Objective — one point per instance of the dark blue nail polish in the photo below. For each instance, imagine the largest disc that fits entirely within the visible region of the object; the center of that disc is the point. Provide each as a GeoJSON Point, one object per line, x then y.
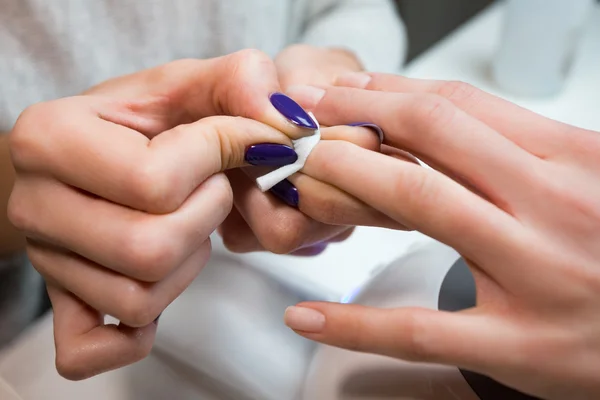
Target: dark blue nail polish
{"type": "Point", "coordinates": [376, 128]}
{"type": "Point", "coordinates": [317, 248]}
{"type": "Point", "coordinates": [270, 155]}
{"type": "Point", "coordinates": [287, 193]}
{"type": "Point", "coordinates": [292, 111]}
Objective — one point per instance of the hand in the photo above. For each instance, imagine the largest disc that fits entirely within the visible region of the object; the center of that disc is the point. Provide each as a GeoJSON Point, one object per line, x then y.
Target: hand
{"type": "Point", "coordinates": [118, 191]}
{"type": "Point", "coordinates": [307, 65]}
{"type": "Point", "coordinates": [332, 211]}
{"type": "Point", "coordinates": [515, 193]}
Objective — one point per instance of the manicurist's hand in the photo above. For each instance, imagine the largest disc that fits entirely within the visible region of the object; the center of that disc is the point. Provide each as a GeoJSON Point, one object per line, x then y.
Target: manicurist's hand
{"type": "Point", "coordinates": [118, 190]}
{"type": "Point", "coordinates": [515, 193]}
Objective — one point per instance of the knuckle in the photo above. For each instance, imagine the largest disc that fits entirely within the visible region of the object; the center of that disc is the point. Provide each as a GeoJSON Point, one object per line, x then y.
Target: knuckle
{"type": "Point", "coordinates": [250, 57]}
{"type": "Point", "coordinates": [432, 110]}
{"type": "Point", "coordinates": [137, 305]}
{"type": "Point", "coordinates": [222, 195]}
{"type": "Point", "coordinates": [329, 210]}
{"type": "Point", "coordinates": [17, 212]}
{"type": "Point", "coordinates": [415, 345]}
{"type": "Point", "coordinates": [151, 254]}
{"type": "Point", "coordinates": [237, 96]}
{"type": "Point", "coordinates": [152, 189]}
{"type": "Point", "coordinates": [24, 138]}
{"type": "Point", "coordinates": [284, 235]}
{"type": "Point", "coordinates": [457, 91]}
{"type": "Point", "coordinates": [141, 350]}
{"type": "Point", "coordinates": [67, 364]}
{"type": "Point", "coordinates": [417, 191]}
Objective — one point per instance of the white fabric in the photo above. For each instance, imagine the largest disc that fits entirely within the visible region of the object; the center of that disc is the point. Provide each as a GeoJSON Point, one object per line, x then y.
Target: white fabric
{"type": "Point", "coordinates": [58, 48]}
{"type": "Point", "coordinates": [303, 146]}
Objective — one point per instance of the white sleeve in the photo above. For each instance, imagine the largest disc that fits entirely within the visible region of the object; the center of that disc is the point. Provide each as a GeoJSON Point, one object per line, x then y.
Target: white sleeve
{"type": "Point", "coordinates": [372, 29]}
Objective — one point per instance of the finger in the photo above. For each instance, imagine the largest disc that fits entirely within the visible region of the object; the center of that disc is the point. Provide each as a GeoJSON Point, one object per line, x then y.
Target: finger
{"type": "Point", "coordinates": [435, 130]}
{"type": "Point", "coordinates": [319, 248]}
{"type": "Point", "coordinates": [278, 227]}
{"type": "Point", "coordinates": [142, 246]}
{"type": "Point", "coordinates": [418, 198]}
{"type": "Point", "coordinates": [85, 346]}
{"type": "Point", "coordinates": [123, 166]}
{"type": "Point", "coordinates": [237, 235]}
{"type": "Point", "coordinates": [134, 303]}
{"type": "Point", "coordinates": [239, 84]}
{"type": "Point", "coordinates": [328, 204]}
{"type": "Point", "coordinates": [360, 136]}
{"type": "Point", "coordinates": [511, 120]}
{"type": "Point", "coordinates": [468, 340]}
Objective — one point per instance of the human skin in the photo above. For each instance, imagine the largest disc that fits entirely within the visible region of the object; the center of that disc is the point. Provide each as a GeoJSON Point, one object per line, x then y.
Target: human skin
{"type": "Point", "coordinates": [118, 190]}
{"type": "Point", "coordinates": [296, 65]}
{"type": "Point", "coordinates": [514, 192]}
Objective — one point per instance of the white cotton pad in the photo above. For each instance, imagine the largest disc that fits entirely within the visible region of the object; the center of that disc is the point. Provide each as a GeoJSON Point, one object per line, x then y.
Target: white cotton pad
{"type": "Point", "coordinates": [303, 147]}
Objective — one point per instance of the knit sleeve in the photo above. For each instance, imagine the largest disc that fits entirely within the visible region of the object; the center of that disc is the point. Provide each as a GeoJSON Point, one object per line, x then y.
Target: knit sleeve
{"type": "Point", "coordinates": [371, 29]}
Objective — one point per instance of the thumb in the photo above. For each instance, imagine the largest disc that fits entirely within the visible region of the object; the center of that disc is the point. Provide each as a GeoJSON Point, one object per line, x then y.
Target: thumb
{"type": "Point", "coordinates": [466, 339]}
{"type": "Point", "coordinates": [240, 84]}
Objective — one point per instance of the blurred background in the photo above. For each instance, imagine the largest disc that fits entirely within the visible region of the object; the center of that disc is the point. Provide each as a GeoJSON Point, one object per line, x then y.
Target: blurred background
{"type": "Point", "coordinates": [428, 21]}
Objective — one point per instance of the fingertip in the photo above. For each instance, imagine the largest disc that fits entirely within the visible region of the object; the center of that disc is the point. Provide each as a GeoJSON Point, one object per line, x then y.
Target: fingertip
{"type": "Point", "coordinates": [304, 320]}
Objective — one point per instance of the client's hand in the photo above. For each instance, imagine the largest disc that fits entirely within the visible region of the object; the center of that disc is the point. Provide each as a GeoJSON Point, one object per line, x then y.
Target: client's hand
{"type": "Point", "coordinates": [515, 193]}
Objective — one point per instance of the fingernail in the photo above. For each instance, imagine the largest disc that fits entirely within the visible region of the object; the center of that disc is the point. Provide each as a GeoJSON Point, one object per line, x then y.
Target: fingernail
{"type": "Point", "coordinates": [270, 155]}
{"type": "Point", "coordinates": [304, 319]}
{"type": "Point", "coordinates": [287, 193]}
{"type": "Point", "coordinates": [376, 128]}
{"type": "Point", "coordinates": [310, 96]}
{"type": "Point", "coordinates": [311, 251]}
{"type": "Point", "coordinates": [317, 248]}
{"type": "Point", "coordinates": [354, 79]}
{"type": "Point", "coordinates": [292, 111]}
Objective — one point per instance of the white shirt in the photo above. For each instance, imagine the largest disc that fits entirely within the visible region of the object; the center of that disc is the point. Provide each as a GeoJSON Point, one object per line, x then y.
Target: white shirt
{"type": "Point", "coordinates": [58, 48]}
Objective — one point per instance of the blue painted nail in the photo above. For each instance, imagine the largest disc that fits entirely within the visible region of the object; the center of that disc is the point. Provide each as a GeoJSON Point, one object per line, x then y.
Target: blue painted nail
{"type": "Point", "coordinates": [376, 128]}
{"type": "Point", "coordinates": [270, 155]}
{"type": "Point", "coordinates": [317, 248]}
{"type": "Point", "coordinates": [292, 111]}
{"type": "Point", "coordinates": [287, 193]}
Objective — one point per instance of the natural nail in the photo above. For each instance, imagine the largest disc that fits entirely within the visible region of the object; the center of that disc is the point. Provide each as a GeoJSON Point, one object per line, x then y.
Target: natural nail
{"type": "Point", "coordinates": [358, 80]}
{"type": "Point", "coordinates": [374, 127]}
{"type": "Point", "coordinates": [310, 96]}
{"type": "Point", "coordinates": [287, 193]}
{"type": "Point", "coordinates": [292, 111]}
{"type": "Point", "coordinates": [311, 251]}
{"type": "Point", "coordinates": [304, 319]}
{"type": "Point", "coordinates": [270, 155]}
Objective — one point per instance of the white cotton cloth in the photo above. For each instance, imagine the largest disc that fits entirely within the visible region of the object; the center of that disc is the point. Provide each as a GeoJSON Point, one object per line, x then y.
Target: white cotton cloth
{"type": "Point", "coordinates": [303, 147]}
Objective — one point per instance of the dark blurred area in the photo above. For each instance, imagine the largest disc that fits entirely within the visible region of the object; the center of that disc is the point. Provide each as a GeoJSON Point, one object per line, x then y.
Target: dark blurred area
{"type": "Point", "coordinates": [428, 21]}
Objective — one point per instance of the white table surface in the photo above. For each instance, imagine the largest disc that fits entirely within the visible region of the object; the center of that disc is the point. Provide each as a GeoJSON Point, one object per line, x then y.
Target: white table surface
{"type": "Point", "coordinates": [464, 55]}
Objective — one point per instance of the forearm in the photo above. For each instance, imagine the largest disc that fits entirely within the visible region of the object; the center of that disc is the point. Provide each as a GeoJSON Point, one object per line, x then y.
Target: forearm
{"type": "Point", "coordinates": [371, 29]}
{"type": "Point", "coordinates": [11, 240]}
